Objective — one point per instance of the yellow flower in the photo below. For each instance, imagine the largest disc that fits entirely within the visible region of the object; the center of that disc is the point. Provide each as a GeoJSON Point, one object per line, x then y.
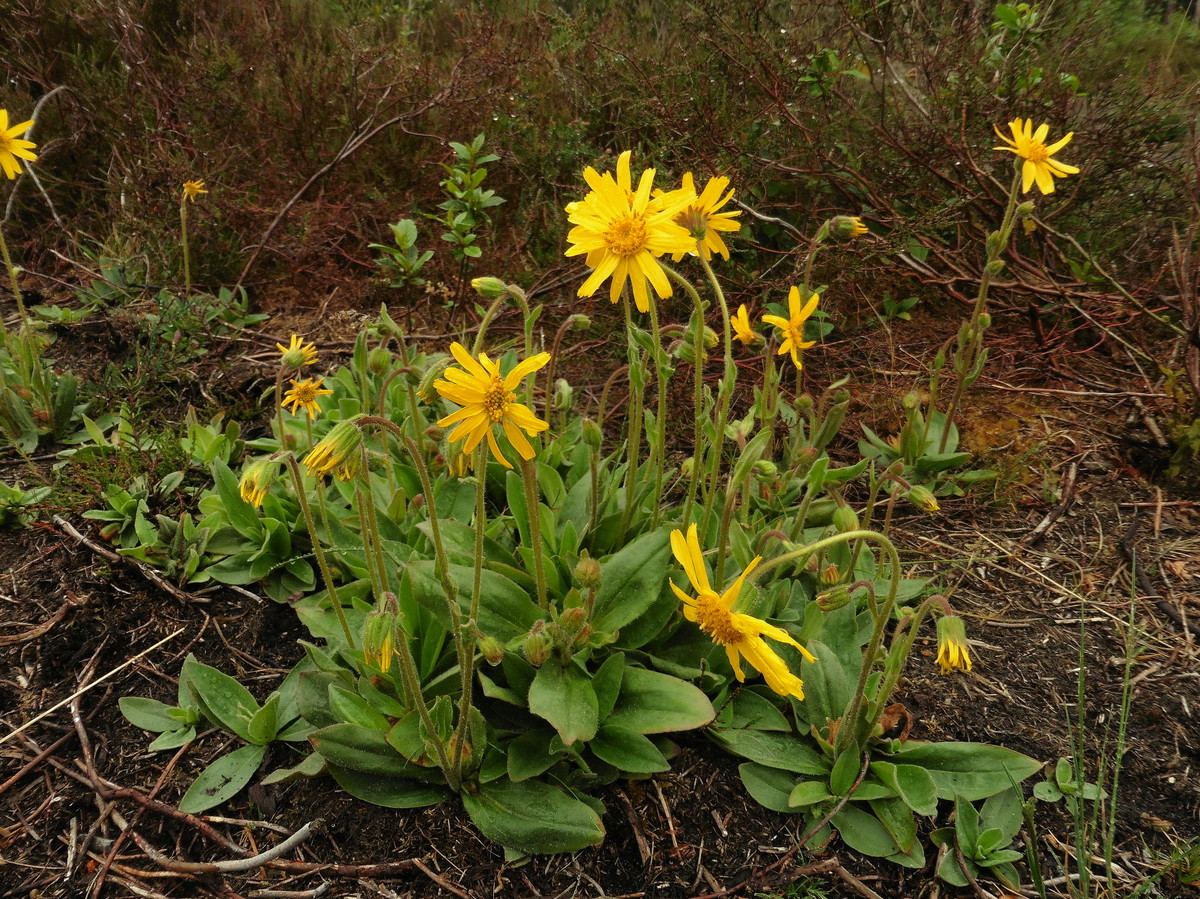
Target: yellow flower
{"type": "Point", "coordinates": [952, 644]}
{"type": "Point", "coordinates": [792, 327]}
{"type": "Point", "coordinates": [741, 327]}
{"type": "Point", "coordinates": [303, 395]}
{"type": "Point", "coordinates": [11, 147]}
{"type": "Point", "coordinates": [741, 635]}
{"type": "Point", "coordinates": [703, 220]}
{"type": "Point", "coordinates": [337, 452]}
{"type": "Point", "coordinates": [297, 353]}
{"type": "Point", "coordinates": [488, 398]}
{"type": "Point", "coordinates": [622, 231]}
{"type": "Point", "coordinates": [847, 227]}
{"type": "Point", "coordinates": [1031, 146]}
{"type": "Point", "coordinates": [193, 189]}
{"type": "Point", "coordinates": [256, 481]}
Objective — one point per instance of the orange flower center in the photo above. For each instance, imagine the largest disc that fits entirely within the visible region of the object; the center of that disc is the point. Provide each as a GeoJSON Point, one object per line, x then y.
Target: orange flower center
{"type": "Point", "coordinates": [627, 236]}
{"type": "Point", "coordinates": [305, 394]}
{"type": "Point", "coordinates": [1035, 151]}
{"type": "Point", "coordinates": [496, 399]}
{"type": "Point", "coordinates": [717, 621]}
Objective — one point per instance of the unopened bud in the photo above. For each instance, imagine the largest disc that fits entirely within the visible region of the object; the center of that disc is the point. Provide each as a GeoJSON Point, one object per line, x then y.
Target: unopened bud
{"type": "Point", "coordinates": [911, 400]}
{"type": "Point", "coordinates": [592, 435]}
{"type": "Point", "coordinates": [587, 572]}
{"type": "Point", "coordinates": [578, 322]}
{"type": "Point", "coordinates": [537, 648]}
{"type": "Point", "coordinates": [418, 501]}
{"type": "Point", "coordinates": [491, 649]}
{"type": "Point", "coordinates": [379, 361]}
{"type": "Point", "coordinates": [846, 227]}
{"type": "Point", "coordinates": [688, 468]}
{"type": "Point", "coordinates": [1025, 209]}
{"type": "Point", "coordinates": [923, 499]}
{"type": "Point", "coordinates": [995, 267]}
{"type": "Point", "coordinates": [834, 599]}
{"type": "Point", "coordinates": [573, 620]}
{"type": "Point", "coordinates": [804, 403]}
{"type": "Point", "coordinates": [685, 351]}
{"type": "Point", "coordinates": [489, 288]}
{"type": "Point", "coordinates": [378, 640]}
{"type": "Point", "coordinates": [845, 519]}
{"type": "Point", "coordinates": [765, 470]}
{"type": "Point", "coordinates": [830, 575]}
{"type": "Point", "coordinates": [994, 245]}
{"type": "Point", "coordinates": [425, 390]}
{"type": "Point", "coordinates": [564, 395]}
{"type": "Point", "coordinates": [985, 320]}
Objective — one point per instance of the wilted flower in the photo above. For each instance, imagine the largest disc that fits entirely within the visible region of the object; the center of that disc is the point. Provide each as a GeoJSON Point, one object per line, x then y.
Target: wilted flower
{"type": "Point", "coordinates": [11, 147]}
{"type": "Point", "coordinates": [952, 644]}
{"type": "Point", "coordinates": [792, 327]}
{"type": "Point", "coordinates": [847, 227]}
{"type": "Point", "coordinates": [741, 635]}
{"type": "Point", "coordinates": [297, 354]}
{"type": "Point", "coordinates": [337, 452]}
{"type": "Point", "coordinates": [1030, 145]}
{"type": "Point", "coordinates": [257, 479]}
{"type": "Point", "coordinates": [488, 398]}
{"type": "Point", "coordinates": [923, 499]}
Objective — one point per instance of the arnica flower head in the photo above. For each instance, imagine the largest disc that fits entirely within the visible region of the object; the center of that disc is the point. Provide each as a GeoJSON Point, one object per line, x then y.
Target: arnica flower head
{"type": "Point", "coordinates": [792, 327]}
{"type": "Point", "coordinates": [12, 147]}
{"type": "Point", "coordinates": [952, 644]}
{"type": "Point", "coordinates": [257, 479]}
{"type": "Point", "coordinates": [296, 354]}
{"type": "Point", "coordinates": [847, 227]}
{"type": "Point", "coordinates": [742, 331]}
{"type": "Point", "coordinates": [303, 395]}
{"type": "Point", "coordinates": [1031, 146]}
{"type": "Point", "coordinates": [489, 398]}
{"type": "Point", "coordinates": [378, 640]}
{"type": "Point", "coordinates": [337, 453]}
{"type": "Point", "coordinates": [623, 230]}
{"type": "Point", "coordinates": [193, 189]}
{"type": "Point", "coordinates": [741, 635]}
{"type": "Point", "coordinates": [703, 219]}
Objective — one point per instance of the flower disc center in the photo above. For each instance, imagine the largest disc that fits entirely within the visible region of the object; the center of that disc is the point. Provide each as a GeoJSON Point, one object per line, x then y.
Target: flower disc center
{"type": "Point", "coordinates": [716, 621]}
{"type": "Point", "coordinates": [496, 399]}
{"type": "Point", "coordinates": [627, 236]}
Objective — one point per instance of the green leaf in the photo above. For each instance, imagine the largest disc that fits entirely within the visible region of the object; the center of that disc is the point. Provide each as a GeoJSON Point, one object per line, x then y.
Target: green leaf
{"type": "Point", "coordinates": [350, 708]}
{"type": "Point", "coordinates": [628, 750]}
{"type": "Point", "coordinates": [533, 817]}
{"type": "Point", "coordinates": [173, 739]}
{"type": "Point", "coordinates": [148, 714]}
{"type": "Point", "coordinates": [774, 750]}
{"type": "Point", "coordinates": [1004, 811]}
{"type": "Point", "coordinates": [607, 684]}
{"type": "Point", "coordinates": [309, 767]}
{"type": "Point", "coordinates": [265, 723]}
{"type": "Point", "coordinates": [972, 770]}
{"type": "Point", "coordinates": [361, 749]}
{"type": "Point", "coordinates": [809, 792]}
{"type": "Point", "coordinates": [563, 695]}
{"type": "Point", "coordinates": [223, 700]}
{"type": "Point", "coordinates": [899, 821]}
{"type": "Point", "coordinates": [770, 787]}
{"type": "Point", "coordinates": [845, 771]}
{"type": "Point", "coordinates": [387, 791]}
{"type": "Point", "coordinates": [911, 783]}
{"type": "Point", "coordinates": [532, 753]}
{"type": "Point", "coordinates": [222, 780]}
{"type": "Point", "coordinates": [863, 832]}
{"type": "Point", "coordinates": [655, 703]}
{"type": "Point", "coordinates": [631, 580]}
{"type": "Point", "coordinates": [751, 710]}
{"type": "Point", "coordinates": [239, 512]}
{"type": "Point", "coordinates": [506, 611]}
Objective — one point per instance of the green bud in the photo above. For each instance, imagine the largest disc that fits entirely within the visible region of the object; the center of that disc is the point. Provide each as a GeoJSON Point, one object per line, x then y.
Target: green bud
{"type": "Point", "coordinates": [912, 400]}
{"type": "Point", "coordinates": [587, 572]}
{"type": "Point", "coordinates": [830, 575]}
{"type": "Point", "coordinates": [491, 649]}
{"type": "Point", "coordinates": [685, 351]}
{"type": "Point", "coordinates": [489, 288]}
{"type": "Point", "coordinates": [765, 470]}
{"type": "Point", "coordinates": [578, 322]}
{"type": "Point", "coordinates": [378, 640]}
{"type": "Point", "coordinates": [564, 395]}
{"type": "Point", "coordinates": [1025, 209]}
{"type": "Point", "coordinates": [923, 499]}
{"type": "Point", "coordinates": [845, 519]}
{"type": "Point", "coordinates": [537, 645]}
{"type": "Point", "coordinates": [995, 267]}
{"type": "Point", "coordinates": [379, 361]}
{"type": "Point", "coordinates": [994, 245]}
{"type": "Point", "coordinates": [688, 468]}
{"type": "Point", "coordinates": [710, 337]}
{"type": "Point", "coordinates": [846, 227]}
{"type": "Point", "coordinates": [939, 361]}
{"type": "Point", "coordinates": [592, 434]}
{"type": "Point", "coordinates": [573, 620]}
{"type": "Point", "coordinates": [425, 390]}
{"type": "Point", "coordinates": [804, 403]}
{"type": "Point", "coordinates": [834, 599]}
{"type": "Point", "coordinates": [985, 320]}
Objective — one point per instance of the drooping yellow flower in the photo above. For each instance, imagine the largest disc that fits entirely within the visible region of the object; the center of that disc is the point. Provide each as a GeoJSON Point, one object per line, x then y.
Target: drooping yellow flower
{"type": "Point", "coordinates": [952, 644]}
{"type": "Point", "coordinates": [847, 227]}
{"type": "Point", "coordinates": [742, 331]}
{"type": "Point", "coordinates": [489, 398]}
{"type": "Point", "coordinates": [703, 220]}
{"type": "Point", "coordinates": [257, 479]}
{"type": "Point", "coordinates": [1031, 146]}
{"type": "Point", "coordinates": [193, 189]}
{"type": "Point", "coordinates": [12, 147]}
{"type": "Point", "coordinates": [303, 395]}
{"type": "Point", "coordinates": [623, 230]}
{"type": "Point", "coordinates": [337, 453]}
{"type": "Point", "coordinates": [741, 635]}
{"type": "Point", "coordinates": [792, 327]}
{"type": "Point", "coordinates": [297, 354]}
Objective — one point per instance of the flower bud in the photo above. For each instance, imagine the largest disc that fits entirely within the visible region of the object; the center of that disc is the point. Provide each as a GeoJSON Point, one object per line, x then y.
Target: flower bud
{"type": "Point", "coordinates": [830, 575]}
{"type": "Point", "coordinates": [592, 435]}
{"type": "Point", "coordinates": [573, 620]}
{"type": "Point", "coordinates": [587, 572]}
{"type": "Point", "coordinates": [1024, 210]}
{"type": "Point", "coordinates": [995, 267]}
{"type": "Point", "coordinates": [845, 519]}
{"type": "Point", "coordinates": [688, 468]}
{"type": "Point", "coordinates": [765, 470]}
{"type": "Point", "coordinates": [491, 649]}
{"type": "Point", "coordinates": [257, 479]}
{"type": "Point", "coordinates": [379, 361]}
{"type": "Point", "coordinates": [425, 390]}
{"type": "Point", "coordinates": [537, 647]}
{"type": "Point", "coordinates": [952, 644]}
{"type": "Point", "coordinates": [846, 227]}
{"type": "Point", "coordinates": [923, 499]}
{"type": "Point", "coordinates": [985, 320]}
{"type": "Point", "coordinates": [804, 403]}
{"type": "Point", "coordinates": [994, 246]}
{"type": "Point", "coordinates": [564, 395]}
{"type": "Point", "coordinates": [911, 400]}
{"type": "Point", "coordinates": [578, 322]}
{"type": "Point", "coordinates": [489, 288]}
{"type": "Point", "coordinates": [378, 640]}
{"type": "Point", "coordinates": [834, 599]}
{"type": "Point", "coordinates": [337, 452]}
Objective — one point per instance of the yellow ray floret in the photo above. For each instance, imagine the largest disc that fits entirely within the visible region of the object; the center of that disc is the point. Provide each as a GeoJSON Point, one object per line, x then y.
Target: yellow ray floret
{"type": "Point", "coordinates": [741, 635]}
{"type": "Point", "coordinates": [11, 147]}
{"type": "Point", "coordinates": [304, 394]}
{"type": "Point", "coordinates": [703, 218]}
{"type": "Point", "coordinates": [489, 398]}
{"type": "Point", "coordinates": [1031, 146]}
{"type": "Point", "coordinates": [792, 328]}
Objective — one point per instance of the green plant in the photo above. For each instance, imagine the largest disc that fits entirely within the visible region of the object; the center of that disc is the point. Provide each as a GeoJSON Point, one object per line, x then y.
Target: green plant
{"type": "Point", "coordinates": [897, 309]}
{"type": "Point", "coordinates": [466, 208]}
{"type": "Point", "coordinates": [401, 264]}
{"type": "Point", "coordinates": [16, 503]}
{"type": "Point", "coordinates": [981, 839]}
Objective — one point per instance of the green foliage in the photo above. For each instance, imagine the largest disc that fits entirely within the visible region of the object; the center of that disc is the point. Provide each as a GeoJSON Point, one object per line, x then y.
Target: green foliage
{"type": "Point", "coordinates": [402, 263]}
{"type": "Point", "coordinates": [982, 836]}
{"type": "Point", "coordinates": [16, 503]}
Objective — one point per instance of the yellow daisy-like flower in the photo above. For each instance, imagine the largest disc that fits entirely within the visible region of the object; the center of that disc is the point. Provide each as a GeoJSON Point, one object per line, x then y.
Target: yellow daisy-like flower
{"type": "Point", "coordinates": [193, 189]}
{"type": "Point", "coordinates": [1031, 146]}
{"type": "Point", "coordinates": [622, 230]}
{"type": "Point", "coordinates": [792, 327]}
{"type": "Point", "coordinates": [742, 331]}
{"type": "Point", "coordinates": [337, 453]}
{"type": "Point", "coordinates": [297, 354]}
{"type": "Point", "coordinates": [952, 644]}
{"type": "Point", "coordinates": [256, 481]}
{"type": "Point", "coordinates": [489, 398]}
{"type": "Point", "coordinates": [702, 217]}
{"type": "Point", "coordinates": [741, 635]}
{"type": "Point", "coordinates": [303, 395]}
{"type": "Point", "coordinates": [11, 147]}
